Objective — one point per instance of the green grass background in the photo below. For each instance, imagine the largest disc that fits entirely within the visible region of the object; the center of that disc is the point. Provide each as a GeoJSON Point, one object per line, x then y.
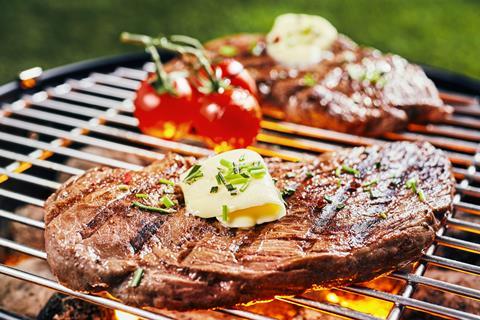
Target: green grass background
{"type": "Point", "coordinates": [50, 33]}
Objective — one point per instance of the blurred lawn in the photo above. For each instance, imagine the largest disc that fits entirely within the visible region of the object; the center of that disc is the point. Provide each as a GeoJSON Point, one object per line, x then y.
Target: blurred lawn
{"type": "Point", "coordinates": [51, 33]}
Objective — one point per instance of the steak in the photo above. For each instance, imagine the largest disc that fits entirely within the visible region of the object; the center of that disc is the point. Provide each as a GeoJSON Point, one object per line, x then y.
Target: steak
{"type": "Point", "coordinates": [354, 89]}
{"type": "Point", "coordinates": [342, 227]}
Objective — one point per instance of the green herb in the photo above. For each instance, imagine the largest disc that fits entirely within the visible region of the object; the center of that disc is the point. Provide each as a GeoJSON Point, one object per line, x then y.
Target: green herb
{"type": "Point", "coordinates": [258, 173]}
{"type": "Point", "coordinates": [244, 187]}
{"type": "Point", "coordinates": [287, 192]}
{"type": "Point", "coordinates": [214, 189]}
{"type": "Point", "coordinates": [221, 179]}
{"type": "Point", "coordinates": [309, 80]}
{"type": "Point", "coordinates": [239, 181]}
{"type": "Point", "coordinates": [411, 184]}
{"type": "Point", "coordinates": [228, 51]}
{"type": "Point", "coordinates": [382, 215]}
{"type": "Point", "coordinates": [309, 175]}
{"type": "Point", "coordinates": [226, 163]}
{"type": "Point", "coordinates": [141, 195]}
{"type": "Point", "coordinates": [378, 164]}
{"type": "Point", "coordinates": [340, 206]}
{"type": "Point", "coordinates": [167, 202]}
{"type": "Point", "coordinates": [224, 213]}
{"type": "Point", "coordinates": [338, 171]}
{"type": "Point", "coordinates": [150, 208]}
{"type": "Point", "coordinates": [421, 195]}
{"type": "Point", "coordinates": [350, 170]}
{"type": "Point", "coordinates": [242, 158]}
{"type": "Point", "coordinates": [165, 181]}
{"type": "Point", "coordinates": [123, 187]}
{"type": "Point", "coordinates": [370, 183]}
{"type": "Point", "coordinates": [137, 277]}
{"type": "Point", "coordinates": [230, 187]}
{"type": "Point", "coordinates": [328, 198]}
{"type": "Point", "coordinates": [194, 174]}
{"type": "Point", "coordinates": [339, 182]}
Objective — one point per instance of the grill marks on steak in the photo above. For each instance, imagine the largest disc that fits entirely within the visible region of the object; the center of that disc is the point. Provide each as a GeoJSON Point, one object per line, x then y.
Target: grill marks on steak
{"type": "Point", "coordinates": [339, 100]}
{"type": "Point", "coordinates": [193, 263]}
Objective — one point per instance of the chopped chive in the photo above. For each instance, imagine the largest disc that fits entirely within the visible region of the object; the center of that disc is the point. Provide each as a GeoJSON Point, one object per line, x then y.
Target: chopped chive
{"type": "Point", "coordinates": [234, 192]}
{"type": "Point", "coordinates": [309, 80]}
{"type": "Point", "coordinates": [229, 187]}
{"type": "Point", "coordinates": [411, 184]}
{"type": "Point", "coordinates": [383, 215]}
{"type": "Point", "coordinates": [165, 181]}
{"type": "Point", "coordinates": [328, 198]}
{"type": "Point", "coordinates": [137, 277]}
{"type": "Point", "coordinates": [288, 192]}
{"type": "Point", "coordinates": [141, 195]}
{"type": "Point", "coordinates": [421, 195]}
{"type": "Point", "coordinates": [167, 202]}
{"type": "Point", "coordinates": [226, 163]}
{"type": "Point", "coordinates": [193, 174]}
{"type": "Point", "coordinates": [309, 174]}
{"type": "Point", "coordinates": [339, 182]}
{"type": "Point", "coordinates": [224, 213]}
{"type": "Point", "coordinates": [378, 164]}
{"type": "Point", "coordinates": [350, 170]}
{"type": "Point", "coordinates": [221, 178]}
{"type": "Point", "coordinates": [234, 176]}
{"type": "Point", "coordinates": [239, 181]}
{"type": "Point", "coordinates": [258, 173]}
{"type": "Point", "coordinates": [228, 51]}
{"type": "Point", "coordinates": [338, 171]}
{"type": "Point", "coordinates": [340, 206]}
{"type": "Point", "coordinates": [219, 181]}
{"type": "Point", "coordinates": [214, 189]}
{"type": "Point", "coordinates": [123, 187]}
{"type": "Point", "coordinates": [150, 208]}
{"type": "Point", "coordinates": [244, 187]}
{"type": "Point", "coordinates": [243, 174]}
{"type": "Point", "coordinates": [242, 158]}
{"type": "Point", "coordinates": [370, 183]}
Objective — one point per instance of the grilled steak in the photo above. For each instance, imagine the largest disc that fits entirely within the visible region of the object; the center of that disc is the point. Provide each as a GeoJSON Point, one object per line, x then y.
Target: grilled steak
{"type": "Point", "coordinates": [341, 227]}
{"type": "Point", "coordinates": [354, 89]}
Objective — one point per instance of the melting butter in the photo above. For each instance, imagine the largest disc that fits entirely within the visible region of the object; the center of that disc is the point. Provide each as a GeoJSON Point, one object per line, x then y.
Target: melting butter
{"type": "Point", "coordinates": [259, 202]}
{"type": "Point", "coordinates": [300, 40]}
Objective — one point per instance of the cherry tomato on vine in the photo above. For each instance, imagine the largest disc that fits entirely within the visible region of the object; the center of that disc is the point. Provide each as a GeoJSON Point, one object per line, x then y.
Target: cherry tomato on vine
{"type": "Point", "coordinates": [165, 114]}
{"type": "Point", "coordinates": [228, 118]}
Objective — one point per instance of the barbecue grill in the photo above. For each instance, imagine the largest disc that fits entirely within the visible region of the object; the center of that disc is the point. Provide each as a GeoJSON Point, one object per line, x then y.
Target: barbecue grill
{"type": "Point", "coordinates": [48, 117]}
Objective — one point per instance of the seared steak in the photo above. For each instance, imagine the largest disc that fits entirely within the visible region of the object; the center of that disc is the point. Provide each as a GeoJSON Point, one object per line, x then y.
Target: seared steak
{"type": "Point", "coordinates": [342, 226]}
{"type": "Point", "coordinates": [354, 89]}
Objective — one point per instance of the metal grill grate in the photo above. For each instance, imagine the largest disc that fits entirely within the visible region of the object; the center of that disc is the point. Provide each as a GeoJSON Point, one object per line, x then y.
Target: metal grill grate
{"type": "Point", "coordinates": [40, 130]}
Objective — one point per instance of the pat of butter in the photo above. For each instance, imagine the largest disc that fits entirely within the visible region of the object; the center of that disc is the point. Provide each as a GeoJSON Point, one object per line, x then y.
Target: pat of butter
{"type": "Point", "coordinates": [258, 203]}
{"type": "Point", "coordinates": [300, 40]}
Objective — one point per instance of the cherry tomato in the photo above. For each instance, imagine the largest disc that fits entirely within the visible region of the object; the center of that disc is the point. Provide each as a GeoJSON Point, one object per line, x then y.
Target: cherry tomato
{"type": "Point", "coordinates": [239, 77]}
{"type": "Point", "coordinates": [228, 119]}
{"type": "Point", "coordinates": [165, 115]}
{"type": "Point", "coordinates": [232, 72]}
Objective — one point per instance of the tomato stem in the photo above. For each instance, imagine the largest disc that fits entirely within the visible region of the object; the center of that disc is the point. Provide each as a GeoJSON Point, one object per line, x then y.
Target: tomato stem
{"type": "Point", "coordinates": [149, 44]}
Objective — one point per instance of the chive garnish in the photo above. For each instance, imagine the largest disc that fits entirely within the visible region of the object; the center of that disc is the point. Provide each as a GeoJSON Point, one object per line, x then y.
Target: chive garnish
{"type": "Point", "coordinates": [370, 183]}
{"type": "Point", "coordinates": [309, 80]}
{"type": "Point", "coordinates": [258, 173]}
{"type": "Point", "coordinates": [378, 164]}
{"type": "Point", "coordinates": [421, 195]}
{"type": "Point", "coordinates": [244, 187]}
{"type": "Point", "coordinates": [226, 163]}
{"type": "Point", "coordinates": [214, 189]}
{"type": "Point", "coordinates": [224, 213]}
{"type": "Point", "coordinates": [137, 277]}
{"type": "Point", "coordinates": [328, 198]}
{"type": "Point", "coordinates": [309, 174]}
{"type": "Point", "coordinates": [288, 192]}
{"type": "Point", "coordinates": [339, 182]}
{"type": "Point", "coordinates": [340, 206]}
{"type": "Point", "coordinates": [141, 195]}
{"type": "Point", "coordinates": [242, 158]}
{"type": "Point", "coordinates": [165, 181]}
{"type": "Point", "coordinates": [194, 174]}
{"type": "Point", "coordinates": [338, 171]}
{"type": "Point", "coordinates": [382, 215]}
{"type": "Point", "coordinates": [228, 51]}
{"type": "Point", "coordinates": [230, 187]}
{"type": "Point", "coordinates": [221, 178]}
{"type": "Point", "coordinates": [150, 208]}
{"type": "Point", "coordinates": [239, 181]}
{"type": "Point", "coordinates": [350, 170]}
{"type": "Point", "coordinates": [123, 187]}
{"type": "Point", "coordinates": [412, 185]}
{"type": "Point", "coordinates": [167, 202]}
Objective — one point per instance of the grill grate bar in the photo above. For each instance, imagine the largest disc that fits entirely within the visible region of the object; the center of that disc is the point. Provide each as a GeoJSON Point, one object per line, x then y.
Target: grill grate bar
{"type": "Point", "coordinates": [458, 244]}
{"type": "Point", "coordinates": [442, 285]}
{"type": "Point", "coordinates": [412, 303]}
{"type": "Point", "coordinates": [21, 197]}
{"type": "Point", "coordinates": [21, 219]}
{"type": "Point", "coordinates": [22, 248]}
{"type": "Point", "coordinates": [325, 307]}
{"type": "Point", "coordinates": [451, 264]}
{"type": "Point", "coordinates": [22, 275]}
{"type": "Point", "coordinates": [115, 81]}
{"type": "Point", "coordinates": [464, 225]}
{"type": "Point", "coordinates": [90, 86]}
{"type": "Point", "coordinates": [76, 96]}
{"type": "Point", "coordinates": [31, 179]}
{"type": "Point", "coordinates": [66, 151]}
